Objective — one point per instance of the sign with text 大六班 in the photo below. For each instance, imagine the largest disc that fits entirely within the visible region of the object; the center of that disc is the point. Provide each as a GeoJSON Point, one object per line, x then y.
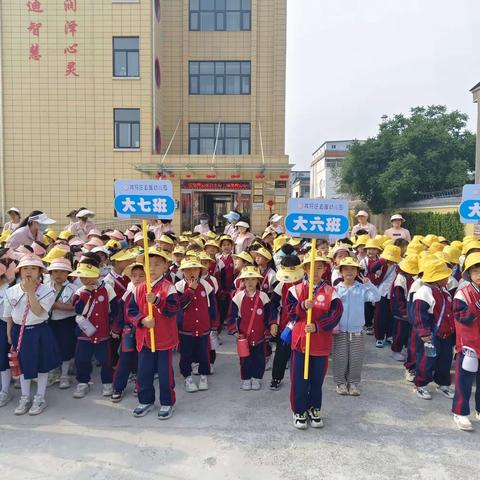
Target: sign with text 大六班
{"type": "Point", "coordinates": [469, 209]}
{"type": "Point", "coordinates": [144, 199]}
{"type": "Point", "coordinates": [317, 218]}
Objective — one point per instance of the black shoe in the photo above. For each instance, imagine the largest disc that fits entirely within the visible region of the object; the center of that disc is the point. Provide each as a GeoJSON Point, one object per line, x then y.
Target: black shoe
{"type": "Point", "coordinates": [116, 396]}
{"type": "Point", "coordinates": [275, 384]}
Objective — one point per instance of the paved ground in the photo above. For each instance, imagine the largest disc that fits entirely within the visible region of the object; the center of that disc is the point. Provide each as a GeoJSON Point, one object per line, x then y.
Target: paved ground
{"type": "Point", "coordinates": [226, 433]}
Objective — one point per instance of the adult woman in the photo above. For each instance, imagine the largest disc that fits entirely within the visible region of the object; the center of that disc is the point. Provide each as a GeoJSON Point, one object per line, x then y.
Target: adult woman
{"type": "Point", "coordinates": [397, 231]}
{"type": "Point", "coordinates": [274, 223]}
{"type": "Point", "coordinates": [244, 238]}
{"type": "Point", "coordinates": [30, 230]}
{"type": "Point", "coordinates": [203, 227]}
{"type": "Point", "coordinates": [81, 228]}
{"type": "Point", "coordinates": [363, 224]}
{"type": "Point", "coordinates": [232, 218]}
{"type": "Point", "coordinates": [15, 220]}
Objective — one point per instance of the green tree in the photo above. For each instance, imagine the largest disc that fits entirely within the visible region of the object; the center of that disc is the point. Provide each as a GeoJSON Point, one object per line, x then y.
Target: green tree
{"type": "Point", "coordinates": [427, 151]}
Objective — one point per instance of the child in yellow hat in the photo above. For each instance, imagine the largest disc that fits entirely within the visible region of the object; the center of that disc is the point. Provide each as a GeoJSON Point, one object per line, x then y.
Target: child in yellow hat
{"type": "Point", "coordinates": [263, 260]}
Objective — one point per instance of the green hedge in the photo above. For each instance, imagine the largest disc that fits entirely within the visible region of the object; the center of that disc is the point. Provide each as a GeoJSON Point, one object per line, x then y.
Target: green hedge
{"type": "Point", "coordinates": [445, 224]}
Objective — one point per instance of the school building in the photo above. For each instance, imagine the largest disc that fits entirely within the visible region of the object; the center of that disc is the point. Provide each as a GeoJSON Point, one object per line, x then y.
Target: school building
{"type": "Point", "coordinates": [192, 91]}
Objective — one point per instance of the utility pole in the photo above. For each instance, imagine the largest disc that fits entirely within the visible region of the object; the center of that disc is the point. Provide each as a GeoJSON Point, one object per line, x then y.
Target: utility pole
{"type": "Point", "coordinates": [476, 98]}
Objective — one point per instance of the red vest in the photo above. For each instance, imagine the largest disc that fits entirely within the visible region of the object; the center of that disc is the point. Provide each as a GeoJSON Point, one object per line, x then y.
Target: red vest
{"type": "Point", "coordinates": [195, 318]}
{"type": "Point", "coordinates": [469, 335]}
{"type": "Point", "coordinates": [257, 333]}
{"type": "Point", "coordinates": [166, 332]}
{"type": "Point", "coordinates": [228, 272]}
{"type": "Point", "coordinates": [320, 342]}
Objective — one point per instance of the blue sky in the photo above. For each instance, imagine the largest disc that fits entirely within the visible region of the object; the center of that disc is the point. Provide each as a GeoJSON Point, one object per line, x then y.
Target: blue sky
{"type": "Point", "coordinates": [351, 61]}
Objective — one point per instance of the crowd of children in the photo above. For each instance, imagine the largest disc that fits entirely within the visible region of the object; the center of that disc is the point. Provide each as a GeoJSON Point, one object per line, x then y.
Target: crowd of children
{"type": "Point", "coordinates": [77, 299]}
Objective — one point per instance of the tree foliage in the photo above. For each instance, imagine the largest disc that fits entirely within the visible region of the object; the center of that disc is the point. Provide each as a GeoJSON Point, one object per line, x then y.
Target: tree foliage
{"type": "Point", "coordinates": [427, 151]}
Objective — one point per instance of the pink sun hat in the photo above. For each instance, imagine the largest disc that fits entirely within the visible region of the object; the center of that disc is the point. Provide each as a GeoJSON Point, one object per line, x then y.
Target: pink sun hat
{"type": "Point", "coordinates": [30, 260]}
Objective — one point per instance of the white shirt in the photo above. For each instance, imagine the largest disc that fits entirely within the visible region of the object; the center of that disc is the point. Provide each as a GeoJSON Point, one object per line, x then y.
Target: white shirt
{"type": "Point", "coordinates": [16, 303]}
{"type": "Point", "coordinates": [3, 289]}
{"type": "Point", "coordinates": [68, 291]}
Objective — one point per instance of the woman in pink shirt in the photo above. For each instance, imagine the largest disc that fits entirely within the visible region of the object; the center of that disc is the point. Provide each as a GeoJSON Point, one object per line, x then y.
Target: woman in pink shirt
{"type": "Point", "coordinates": [81, 228]}
{"type": "Point", "coordinates": [244, 237]}
{"type": "Point", "coordinates": [30, 230]}
{"type": "Point", "coordinates": [397, 231]}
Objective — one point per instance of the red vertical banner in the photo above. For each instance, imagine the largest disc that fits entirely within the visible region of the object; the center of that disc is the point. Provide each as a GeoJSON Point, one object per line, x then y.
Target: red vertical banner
{"type": "Point", "coordinates": [34, 26]}
{"type": "Point", "coordinates": [70, 29]}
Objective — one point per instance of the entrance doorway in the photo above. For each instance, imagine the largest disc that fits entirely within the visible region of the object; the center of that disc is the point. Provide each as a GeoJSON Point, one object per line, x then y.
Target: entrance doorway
{"type": "Point", "coordinates": [216, 205]}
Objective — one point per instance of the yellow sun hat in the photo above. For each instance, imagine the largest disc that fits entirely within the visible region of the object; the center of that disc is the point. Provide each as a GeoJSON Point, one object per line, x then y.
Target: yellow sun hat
{"type": "Point", "coordinates": [191, 262]}
{"type": "Point", "coordinates": [294, 241]}
{"type": "Point", "coordinates": [348, 262]}
{"type": "Point", "coordinates": [225, 238]}
{"type": "Point", "coordinates": [115, 244]}
{"type": "Point", "coordinates": [211, 235]}
{"type": "Point", "coordinates": [452, 254]}
{"type": "Point", "coordinates": [212, 243]}
{"type": "Point", "coordinates": [436, 247]}
{"type": "Point", "coordinates": [190, 253]}
{"type": "Point", "coordinates": [468, 238]}
{"type": "Point", "coordinates": [204, 256]}
{"type": "Point", "coordinates": [249, 272]}
{"type": "Point", "coordinates": [85, 270]}
{"type": "Point", "coordinates": [424, 261]}
{"type": "Point", "coordinates": [198, 241]}
{"type": "Point", "coordinates": [268, 231]}
{"type": "Point", "coordinates": [65, 235]}
{"type": "Point", "coordinates": [387, 242]}
{"type": "Point", "coordinates": [441, 239]}
{"type": "Point", "coordinates": [471, 260]}
{"type": "Point", "coordinates": [158, 252]}
{"type": "Point", "coordinates": [264, 253]}
{"type": "Point", "coordinates": [289, 274]}
{"type": "Point", "coordinates": [166, 239]}
{"type": "Point", "coordinates": [473, 245]}
{"type": "Point", "coordinates": [410, 265]}
{"type": "Point", "coordinates": [183, 239]}
{"type": "Point", "coordinates": [123, 255]}
{"type": "Point", "coordinates": [279, 242]}
{"type": "Point", "coordinates": [127, 272]}
{"type": "Point", "coordinates": [57, 251]}
{"type": "Point", "coordinates": [5, 235]}
{"type": "Point", "coordinates": [361, 240]}
{"type": "Point", "coordinates": [457, 244]}
{"type": "Point", "coordinates": [392, 253]}
{"type": "Point", "coordinates": [179, 250]}
{"type": "Point", "coordinates": [317, 258]}
{"type": "Point", "coordinates": [414, 249]}
{"type": "Point", "coordinates": [51, 234]}
{"type": "Point", "coordinates": [435, 271]}
{"type": "Point", "coordinates": [245, 256]}
{"type": "Point", "coordinates": [417, 238]}
{"type": "Point", "coordinates": [374, 243]}
{"type": "Point", "coordinates": [429, 239]}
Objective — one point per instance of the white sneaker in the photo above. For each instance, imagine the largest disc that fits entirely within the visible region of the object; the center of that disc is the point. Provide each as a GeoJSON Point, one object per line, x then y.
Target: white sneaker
{"type": "Point", "coordinates": [5, 397]}
{"type": "Point", "coordinates": [256, 384]}
{"type": "Point", "coordinates": [64, 383]}
{"type": "Point", "coordinates": [390, 340]}
{"type": "Point", "coordinates": [477, 416]}
{"type": "Point", "coordinates": [203, 383]}
{"type": "Point", "coordinates": [195, 368]}
{"type": "Point", "coordinates": [379, 343]}
{"type": "Point", "coordinates": [446, 391]}
{"type": "Point", "coordinates": [24, 405]}
{"type": "Point", "coordinates": [463, 422]}
{"type": "Point", "coordinates": [107, 390]}
{"type": "Point", "coordinates": [165, 412]}
{"type": "Point", "coordinates": [342, 389]}
{"type": "Point", "coordinates": [300, 421]}
{"type": "Point", "coordinates": [38, 406]}
{"type": "Point", "coordinates": [409, 375]}
{"type": "Point", "coordinates": [247, 385]}
{"type": "Point", "coordinates": [212, 370]}
{"type": "Point", "coordinates": [398, 356]}
{"type": "Point", "coordinates": [190, 385]}
{"type": "Point", "coordinates": [353, 390]}
{"type": "Point", "coordinates": [423, 392]}
{"type": "Point", "coordinates": [81, 390]}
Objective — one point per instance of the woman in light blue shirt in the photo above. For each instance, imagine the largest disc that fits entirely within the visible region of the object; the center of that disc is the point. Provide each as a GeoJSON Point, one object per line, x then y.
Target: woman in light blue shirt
{"type": "Point", "coordinates": [349, 341]}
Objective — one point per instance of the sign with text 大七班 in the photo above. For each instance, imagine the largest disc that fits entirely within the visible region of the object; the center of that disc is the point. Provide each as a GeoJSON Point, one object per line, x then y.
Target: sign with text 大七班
{"type": "Point", "coordinates": [317, 218]}
{"type": "Point", "coordinates": [469, 209]}
{"type": "Point", "coordinates": [144, 199]}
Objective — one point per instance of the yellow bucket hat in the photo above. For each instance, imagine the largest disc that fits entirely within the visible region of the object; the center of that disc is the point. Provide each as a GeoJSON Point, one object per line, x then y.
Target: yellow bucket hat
{"type": "Point", "coordinates": [127, 272]}
{"type": "Point", "coordinates": [373, 243]}
{"type": "Point", "coordinates": [289, 274]}
{"type": "Point", "coordinates": [452, 254]}
{"type": "Point", "coordinates": [295, 241]}
{"type": "Point", "coordinates": [348, 262]}
{"type": "Point", "coordinates": [158, 252]}
{"type": "Point", "coordinates": [264, 253]}
{"type": "Point", "coordinates": [436, 247]}
{"type": "Point", "coordinates": [113, 244]}
{"type": "Point", "coordinates": [65, 235]}
{"type": "Point", "coordinates": [457, 244]}
{"type": "Point", "coordinates": [190, 263]}
{"type": "Point", "coordinates": [469, 238]}
{"type": "Point", "coordinates": [441, 239]}
{"type": "Point", "coordinates": [51, 234]}
{"type": "Point", "coordinates": [429, 239]}
{"type": "Point", "coordinates": [123, 255]}
{"type": "Point", "coordinates": [436, 270]}
{"type": "Point", "coordinates": [211, 235]}
{"type": "Point", "coordinates": [190, 253]}
{"type": "Point", "coordinates": [54, 253]}
{"type": "Point", "coordinates": [473, 245]}
{"type": "Point", "coordinates": [417, 238]}
{"type": "Point", "coordinates": [179, 249]}
{"type": "Point", "coordinates": [387, 242]}
{"type": "Point", "coordinates": [166, 239]}
{"type": "Point", "coordinates": [409, 265]}
{"type": "Point", "coordinates": [212, 243]}
{"type": "Point", "coordinates": [249, 272]}
{"type": "Point", "coordinates": [197, 241]}
{"type": "Point", "coordinates": [5, 235]}
{"type": "Point", "coordinates": [226, 238]}
{"type": "Point", "coordinates": [86, 271]}
{"type": "Point", "coordinates": [392, 253]}
{"type": "Point", "coordinates": [361, 240]}
{"type": "Point", "coordinates": [317, 258]}
{"type": "Point", "coordinates": [245, 256]}
{"type": "Point", "coordinates": [183, 239]}
{"type": "Point", "coordinates": [424, 261]}
{"type": "Point", "coordinates": [471, 260]}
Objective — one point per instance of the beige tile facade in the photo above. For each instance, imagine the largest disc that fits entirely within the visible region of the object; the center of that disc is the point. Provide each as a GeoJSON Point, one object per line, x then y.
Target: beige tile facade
{"type": "Point", "coordinates": [57, 130]}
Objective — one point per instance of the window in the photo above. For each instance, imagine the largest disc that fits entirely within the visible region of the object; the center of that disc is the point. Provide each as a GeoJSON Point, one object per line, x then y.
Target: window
{"type": "Point", "coordinates": [220, 15]}
{"type": "Point", "coordinates": [219, 78]}
{"type": "Point", "coordinates": [125, 57]}
{"type": "Point", "coordinates": [233, 138]}
{"type": "Point", "coordinates": [127, 127]}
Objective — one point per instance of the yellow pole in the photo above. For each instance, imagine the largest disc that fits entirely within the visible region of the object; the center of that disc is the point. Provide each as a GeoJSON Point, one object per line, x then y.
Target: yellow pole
{"type": "Point", "coordinates": [148, 280]}
{"type": "Point", "coordinates": [313, 254]}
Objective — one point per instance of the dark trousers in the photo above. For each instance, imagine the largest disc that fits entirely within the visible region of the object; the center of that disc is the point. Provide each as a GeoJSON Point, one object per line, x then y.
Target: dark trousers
{"type": "Point", "coordinates": [280, 360]}
{"type": "Point", "coordinates": [127, 362]}
{"type": "Point", "coordinates": [253, 366]}
{"type": "Point", "coordinates": [83, 360]}
{"type": "Point", "coordinates": [194, 349]}
{"type": "Point", "coordinates": [369, 310]}
{"type": "Point", "coordinates": [305, 394]}
{"type": "Point", "coordinates": [148, 363]}
{"type": "Point", "coordinates": [437, 368]}
{"type": "Point", "coordinates": [383, 319]}
{"type": "Point", "coordinates": [412, 350]}
{"type": "Point", "coordinates": [463, 388]}
{"type": "Point", "coordinates": [223, 308]}
{"type": "Point", "coordinates": [401, 334]}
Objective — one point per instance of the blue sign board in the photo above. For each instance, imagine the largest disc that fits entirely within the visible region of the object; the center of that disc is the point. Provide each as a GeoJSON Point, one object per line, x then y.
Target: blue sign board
{"type": "Point", "coordinates": [144, 199]}
{"type": "Point", "coordinates": [469, 209]}
{"type": "Point", "coordinates": [317, 218]}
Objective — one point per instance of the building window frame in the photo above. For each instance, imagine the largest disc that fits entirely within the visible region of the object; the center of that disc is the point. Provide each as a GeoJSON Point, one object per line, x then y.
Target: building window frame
{"type": "Point", "coordinates": [131, 127]}
{"type": "Point", "coordinates": [219, 74]}
{"type": "Point", "coordinates": [202, 137]}
{"type": "Point", "coordinates": [126, 51]}
{"type": "Point", "coordinates": [217, 15]}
